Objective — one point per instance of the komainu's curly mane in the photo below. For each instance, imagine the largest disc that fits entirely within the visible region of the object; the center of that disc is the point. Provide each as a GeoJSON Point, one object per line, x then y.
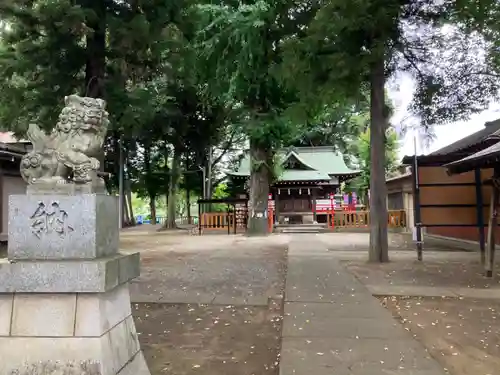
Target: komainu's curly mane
{"type": "Point", "coordinates": [71, 148]}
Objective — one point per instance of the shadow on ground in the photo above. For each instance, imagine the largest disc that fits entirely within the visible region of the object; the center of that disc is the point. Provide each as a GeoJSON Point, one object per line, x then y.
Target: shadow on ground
{"type": "Point", "coordinates": [209, 339]}
{"type": "Point", "coordinates": [210, 305]}
{"type": "Point", "coordinates": [444, 273]}
{"type": "Point", "coordinates": [462, 334]}
{"type": "Point", "coordinates": [213, 304]}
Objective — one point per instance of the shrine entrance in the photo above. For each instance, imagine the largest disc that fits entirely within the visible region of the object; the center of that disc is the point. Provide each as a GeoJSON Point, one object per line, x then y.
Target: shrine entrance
{"type": "Point", "coordinates": [301, 204]}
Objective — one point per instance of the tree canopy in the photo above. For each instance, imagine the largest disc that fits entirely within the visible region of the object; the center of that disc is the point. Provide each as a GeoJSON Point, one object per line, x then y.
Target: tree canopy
{"type": "Point", "coordinates": [190, 83]}
{"type": "Point", "coordinates": [356, 45]}
{"type": "Point", "coordinates": [359, 151]}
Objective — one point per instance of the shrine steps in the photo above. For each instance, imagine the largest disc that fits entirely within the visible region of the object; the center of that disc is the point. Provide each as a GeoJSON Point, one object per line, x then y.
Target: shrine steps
{"type": "Point", "coordinates": [300, 228]}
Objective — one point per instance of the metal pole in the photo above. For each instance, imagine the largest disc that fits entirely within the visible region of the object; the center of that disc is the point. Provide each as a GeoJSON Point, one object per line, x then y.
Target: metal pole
{"type": "Point", "coordinates": [120, 183]}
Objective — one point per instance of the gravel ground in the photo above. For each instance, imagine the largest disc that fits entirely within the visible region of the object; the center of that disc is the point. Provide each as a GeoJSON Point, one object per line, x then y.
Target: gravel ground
{"type": "Point", "coordinates": [240, 274]}
{"type": "Point", "coordinates": [210, 305]}
{"type": "Point", "coordinates": [462, 334]}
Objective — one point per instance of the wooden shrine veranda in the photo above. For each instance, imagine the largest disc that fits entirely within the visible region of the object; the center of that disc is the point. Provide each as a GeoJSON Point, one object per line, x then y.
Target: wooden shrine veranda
{"type": "Point", "coordinates": [232, 217]}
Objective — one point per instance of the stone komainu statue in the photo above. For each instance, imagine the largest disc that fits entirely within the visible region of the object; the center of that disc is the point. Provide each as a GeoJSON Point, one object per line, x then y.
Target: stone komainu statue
{"type": "Point", "coordinates": [68, 153]}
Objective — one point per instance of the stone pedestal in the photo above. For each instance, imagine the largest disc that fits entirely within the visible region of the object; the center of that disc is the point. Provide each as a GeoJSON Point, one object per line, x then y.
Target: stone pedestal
{"type": "Point", "coordinates": [64, 297]}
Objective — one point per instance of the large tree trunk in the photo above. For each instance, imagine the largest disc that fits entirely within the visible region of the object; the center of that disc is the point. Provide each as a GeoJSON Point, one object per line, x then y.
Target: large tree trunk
{"type": "Point", "coordinates": [259, 190]}
{"type": "Point", "coordinates": [188, 205]}
{"type": "Point", "coordinates": [168, 177]}
{"type": "Point", "coordinates": [187, 180]}
{"type": "Point", "coordinates": [379, 247]}
{"type": "Point", "coordinates": [95, 65]}
{"type": "Point", "coordinates": [172, 191]}
{"type": "Point", "coordinates": [96, 51]}
{"type": "Point", "coordinates": [152, 208]}
{"type": "Point", "coordinates": [149, 179]}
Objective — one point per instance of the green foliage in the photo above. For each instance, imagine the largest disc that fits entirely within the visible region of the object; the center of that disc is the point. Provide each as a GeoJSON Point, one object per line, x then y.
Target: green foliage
{"type": "Point", "coordinates": [349, 48]}
{"type": "Point", "coordinates": [190, 77]}
{"type": "Point", "coordinates": [337, 124]}
{"type": "Point", "coordinates": [150, 172]}
{"type": "Point", "coordinates": [237, 45]}
{"type": "Point", "coordinates": [277, 167]}
{"type": "Point", "coordinates": [50, 49]}
{"type": "Point", "coordinates": [232, 43]}
{"type": "Point", "coordinates": [220, 192]}
{"type": "Point", "coordinates": [360, 151]}
{"type": "Point", "coordinates": [139, 57]}
{"type": "Point", "coordinates": [446, 47]}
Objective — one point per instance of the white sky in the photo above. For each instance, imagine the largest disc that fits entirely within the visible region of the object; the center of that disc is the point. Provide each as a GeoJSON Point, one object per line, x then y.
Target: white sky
{"type": "Point", "coordinates": [401, 93]}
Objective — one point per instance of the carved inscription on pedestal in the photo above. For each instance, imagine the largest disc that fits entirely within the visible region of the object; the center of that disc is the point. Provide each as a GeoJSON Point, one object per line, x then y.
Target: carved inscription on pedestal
{"type": "Point", "coordinates": [48, 219]}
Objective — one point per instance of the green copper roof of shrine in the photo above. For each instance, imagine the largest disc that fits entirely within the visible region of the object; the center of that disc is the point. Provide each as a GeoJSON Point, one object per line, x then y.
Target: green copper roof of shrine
{"type": "Point", "coordinates": [315, 164]}
{"type": "Point", "coordinates": [295, 175]}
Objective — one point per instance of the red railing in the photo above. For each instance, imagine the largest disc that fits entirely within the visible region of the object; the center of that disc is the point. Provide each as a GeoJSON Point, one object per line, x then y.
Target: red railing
{"type": "Point", "coordinates": [357, 219]}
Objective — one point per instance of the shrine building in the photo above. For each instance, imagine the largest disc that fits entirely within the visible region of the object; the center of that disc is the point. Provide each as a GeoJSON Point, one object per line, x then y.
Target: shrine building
{"type": "Point", "coordinates": [304, 192]}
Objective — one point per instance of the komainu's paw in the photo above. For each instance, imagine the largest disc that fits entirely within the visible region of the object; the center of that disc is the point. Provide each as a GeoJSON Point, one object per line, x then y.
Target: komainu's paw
{"type": "Point", "coordinates": [94, 164]}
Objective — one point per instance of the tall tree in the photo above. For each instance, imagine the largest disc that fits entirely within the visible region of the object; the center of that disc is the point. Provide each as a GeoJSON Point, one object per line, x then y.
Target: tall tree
{"type": "Point", "coordinates": [99, 48]}
{"type": "Point", "coordinates": [356, 46]}
{"type": "Point", "coordinates": [239, 45]}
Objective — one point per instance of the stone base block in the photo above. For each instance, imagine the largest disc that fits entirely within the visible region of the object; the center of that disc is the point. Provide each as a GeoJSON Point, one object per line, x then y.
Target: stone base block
{"type": "Point", "coordinates": [137, 366]}
{"type": "Point", "coordinates": [59, 226]}
{"type": "Point", "coordinates": [97, 186]}
{"type": "Point", "coordinates": [68, 276]}
{"type": "Point", "coordinates": [71, 334]}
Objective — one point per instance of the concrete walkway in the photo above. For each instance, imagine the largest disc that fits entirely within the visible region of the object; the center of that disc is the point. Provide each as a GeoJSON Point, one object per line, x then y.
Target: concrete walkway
{"type": "Point", "coordinates": [333, 325]}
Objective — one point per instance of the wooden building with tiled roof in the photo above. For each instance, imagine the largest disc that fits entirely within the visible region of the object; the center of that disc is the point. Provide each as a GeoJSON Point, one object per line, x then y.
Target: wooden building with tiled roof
{"type": "Point", "coordinates": [452, 188]}
{"type": "Point", "coordinates": [308, 174]}
{"type": "Point", "coordinates": [485, 159]}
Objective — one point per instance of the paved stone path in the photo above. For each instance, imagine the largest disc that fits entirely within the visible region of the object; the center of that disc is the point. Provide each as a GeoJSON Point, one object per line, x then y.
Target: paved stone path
{"type": "Point", "coordinates": [333, 325]}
